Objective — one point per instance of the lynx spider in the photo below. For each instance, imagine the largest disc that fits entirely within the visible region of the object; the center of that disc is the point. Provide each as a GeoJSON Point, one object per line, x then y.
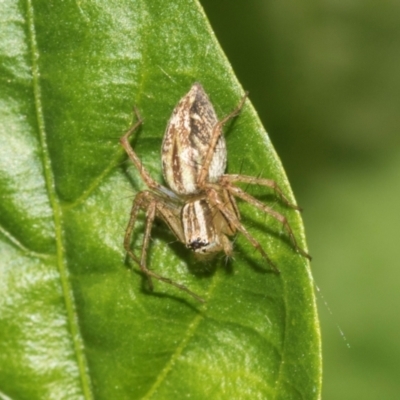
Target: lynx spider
{"type": "Point", "coordinates": [199, 205]}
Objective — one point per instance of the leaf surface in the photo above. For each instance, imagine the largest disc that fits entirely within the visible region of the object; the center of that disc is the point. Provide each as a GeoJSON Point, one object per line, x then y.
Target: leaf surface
{"type": "Point", "coordinates": [77, 321]}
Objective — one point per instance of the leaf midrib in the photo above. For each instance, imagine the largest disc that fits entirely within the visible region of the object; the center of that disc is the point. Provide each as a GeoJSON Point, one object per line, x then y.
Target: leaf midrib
{"type": "Point", "coordinates": [57, 214]}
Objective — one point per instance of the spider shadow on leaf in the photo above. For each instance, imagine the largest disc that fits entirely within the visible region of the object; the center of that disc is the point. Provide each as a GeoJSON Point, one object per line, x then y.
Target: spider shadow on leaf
{"type": "Point", "coordinates": [200, 267]}
{"type": "Point", "coordinates": [173, 251]}
{"type": "Point", "coordinates": [160, 294]}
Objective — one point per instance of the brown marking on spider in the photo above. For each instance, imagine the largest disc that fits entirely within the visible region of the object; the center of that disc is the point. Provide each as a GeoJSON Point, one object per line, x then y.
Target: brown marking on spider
{"type": "Point", "coordinates": [199, 206]}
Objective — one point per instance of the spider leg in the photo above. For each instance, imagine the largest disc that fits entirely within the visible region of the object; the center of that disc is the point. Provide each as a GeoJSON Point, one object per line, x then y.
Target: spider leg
{"type": "Point", "coordinates": [150, 182]}
{"type": "Point", "coordinates": [141, 200]}
{"type": "Point", "coordinates": [153, 205]}
{"type": "Point", "coordinates": [216, 133]}
{"type": "Point", "coordinates": [150, 215]}
{"type": "Point", "coordinates": [279, 217]}
{"type": "Point", "coordinates": [259, 181]}
{"type": "Point", "coordinates": [138, 203]}
{"type": "Point", "coordinates": [215, 200]}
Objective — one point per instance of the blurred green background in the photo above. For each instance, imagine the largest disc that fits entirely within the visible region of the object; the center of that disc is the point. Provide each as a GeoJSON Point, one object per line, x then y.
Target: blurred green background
{"type": "Point", "coordinates": [325, 80]}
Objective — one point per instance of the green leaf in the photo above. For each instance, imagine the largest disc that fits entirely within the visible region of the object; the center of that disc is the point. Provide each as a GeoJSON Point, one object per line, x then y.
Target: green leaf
{"type": "Point", "coordinates": [76, 322]}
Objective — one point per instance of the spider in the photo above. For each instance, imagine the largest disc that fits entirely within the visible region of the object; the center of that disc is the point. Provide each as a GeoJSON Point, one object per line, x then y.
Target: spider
{"type": "Point", "coordinates": [199, 203]}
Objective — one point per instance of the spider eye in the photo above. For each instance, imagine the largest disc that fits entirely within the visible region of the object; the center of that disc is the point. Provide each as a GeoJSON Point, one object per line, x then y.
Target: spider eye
{"type": "Point", "coordinates": [197, 244]}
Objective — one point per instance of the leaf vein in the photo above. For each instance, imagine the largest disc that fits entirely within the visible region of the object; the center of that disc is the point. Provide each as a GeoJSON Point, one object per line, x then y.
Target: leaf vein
{"type": "Point", "coordinates": [57, 214]}
{"type": "Point", "coordinates": [18, 245]}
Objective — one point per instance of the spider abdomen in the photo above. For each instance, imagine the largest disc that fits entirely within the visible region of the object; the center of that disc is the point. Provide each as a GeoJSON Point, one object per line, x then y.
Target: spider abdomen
{"type": "Point", "coordinates": [187, 141]}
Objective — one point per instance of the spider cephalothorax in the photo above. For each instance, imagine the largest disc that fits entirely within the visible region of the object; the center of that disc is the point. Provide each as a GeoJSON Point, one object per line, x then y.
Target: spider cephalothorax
{"type": "Point", "coordinates": [199, 206]}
